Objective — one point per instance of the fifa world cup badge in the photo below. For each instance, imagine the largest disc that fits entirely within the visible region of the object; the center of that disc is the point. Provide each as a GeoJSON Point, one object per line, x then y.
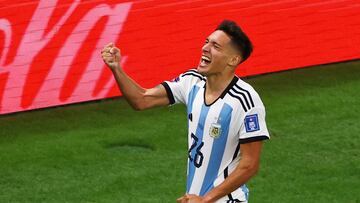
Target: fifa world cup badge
{"type": "Point", "coordinates": [215, 130]}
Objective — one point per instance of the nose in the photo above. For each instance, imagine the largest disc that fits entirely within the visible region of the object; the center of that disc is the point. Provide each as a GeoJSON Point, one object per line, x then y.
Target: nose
{"type": "Point", "coordinates": [206, 48]}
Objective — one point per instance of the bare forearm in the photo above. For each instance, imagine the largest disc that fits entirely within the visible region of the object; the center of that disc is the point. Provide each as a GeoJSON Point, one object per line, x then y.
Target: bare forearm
{"type": "Point", "coordinates": [236, 179]}
{"type": "Point", "coordinates": [132, 91]}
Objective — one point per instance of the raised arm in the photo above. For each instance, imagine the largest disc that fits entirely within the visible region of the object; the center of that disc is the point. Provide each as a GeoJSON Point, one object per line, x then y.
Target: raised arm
{"type": "Point", "coordinates": [138, 97]}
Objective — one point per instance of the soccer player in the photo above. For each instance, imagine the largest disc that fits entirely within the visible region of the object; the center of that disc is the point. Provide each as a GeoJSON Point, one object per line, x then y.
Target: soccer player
{"type": "Point", "coordinates": [226, 117]}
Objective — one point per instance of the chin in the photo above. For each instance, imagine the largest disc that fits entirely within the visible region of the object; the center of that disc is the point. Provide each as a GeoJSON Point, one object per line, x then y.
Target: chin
{"type": "Point", "coordinates": [202, 70]}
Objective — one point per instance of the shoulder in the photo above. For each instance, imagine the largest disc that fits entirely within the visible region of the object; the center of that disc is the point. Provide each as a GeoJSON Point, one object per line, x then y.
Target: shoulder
{"type": "Point", "coordinates": [245, 95]}
{"type": "Point", "coordinates": [189, 78]}
{"type": "Point", "coordinates": [179, 88]}
{"type": "Point", "coordinates": [194, 74]}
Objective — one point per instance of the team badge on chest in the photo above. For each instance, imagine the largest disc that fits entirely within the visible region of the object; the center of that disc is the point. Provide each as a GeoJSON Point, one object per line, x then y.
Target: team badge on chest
{"type": "Point", "coordinates": [215, 130]}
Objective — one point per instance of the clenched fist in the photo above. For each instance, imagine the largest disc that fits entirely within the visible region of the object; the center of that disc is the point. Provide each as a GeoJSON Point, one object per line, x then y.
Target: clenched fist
{"type": "Point", "coordinates": [111, 56]}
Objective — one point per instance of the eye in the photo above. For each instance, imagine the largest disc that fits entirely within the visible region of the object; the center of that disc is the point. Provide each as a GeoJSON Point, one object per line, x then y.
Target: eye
{"type": "Point", "coordinates": [216, 46]}
{"type": "Point", "coordinates": [206, 41]}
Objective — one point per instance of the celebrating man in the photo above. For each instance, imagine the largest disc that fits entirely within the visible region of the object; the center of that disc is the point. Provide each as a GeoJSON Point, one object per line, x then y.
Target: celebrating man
{"type": "Point", "coordinates": [226, 117]}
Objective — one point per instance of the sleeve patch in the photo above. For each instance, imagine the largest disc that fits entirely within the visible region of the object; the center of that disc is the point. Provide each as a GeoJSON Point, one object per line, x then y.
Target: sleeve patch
{"type": "Point", "coordinates": [252, 123]}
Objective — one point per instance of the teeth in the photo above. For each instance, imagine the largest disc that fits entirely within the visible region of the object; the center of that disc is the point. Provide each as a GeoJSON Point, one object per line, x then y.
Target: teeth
{"type": "Point", "coordinates": [205, 58]}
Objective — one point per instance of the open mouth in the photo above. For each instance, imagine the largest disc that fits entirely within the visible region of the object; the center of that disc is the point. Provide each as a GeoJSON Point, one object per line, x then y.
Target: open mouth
{"type": "Point", "coordinates": [205, 60]}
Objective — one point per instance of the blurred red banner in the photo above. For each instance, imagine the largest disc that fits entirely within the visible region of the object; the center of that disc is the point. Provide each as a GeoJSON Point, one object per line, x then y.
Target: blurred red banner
{"type": "Point", "coordinates": [50, 49]}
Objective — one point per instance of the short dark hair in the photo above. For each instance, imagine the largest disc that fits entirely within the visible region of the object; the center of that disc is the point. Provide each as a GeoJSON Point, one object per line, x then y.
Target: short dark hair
{"type": "Point", "coordinates": [238, 38]}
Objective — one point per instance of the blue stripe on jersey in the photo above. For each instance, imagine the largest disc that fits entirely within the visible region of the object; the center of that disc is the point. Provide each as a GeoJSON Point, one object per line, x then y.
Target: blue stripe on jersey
{"type": "Point", "coordinates": [191, 97]}
{"type": "Point", "coordinates": [199, 134]}
{"type": "Point", "coordinates": [246, 191]}
{"type": "Point", "coordinates": [217, 150]}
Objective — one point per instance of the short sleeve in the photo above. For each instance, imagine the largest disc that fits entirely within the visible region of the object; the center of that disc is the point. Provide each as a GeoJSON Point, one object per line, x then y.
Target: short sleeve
{"type": "Point", "coordinates": [254, 127]}
{"type": "Point", "coordinates": [178, 89]}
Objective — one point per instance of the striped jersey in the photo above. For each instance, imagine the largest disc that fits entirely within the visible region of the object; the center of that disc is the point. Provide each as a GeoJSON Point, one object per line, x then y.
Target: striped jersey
{"type": "Point", "coordinates": [216, 130]}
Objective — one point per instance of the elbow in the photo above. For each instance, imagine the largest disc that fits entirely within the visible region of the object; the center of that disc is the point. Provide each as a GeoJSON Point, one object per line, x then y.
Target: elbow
{"type": "Point", "coordinates": [140, 103]}
{"type": "Point", "coordinates": [138, 107]}
{"type": "Point", "coordinates": [252, 168]}
{"type": "Point", "coordinates": [137, 104]}
{"type": "Point", "coordinates": [255, 170]}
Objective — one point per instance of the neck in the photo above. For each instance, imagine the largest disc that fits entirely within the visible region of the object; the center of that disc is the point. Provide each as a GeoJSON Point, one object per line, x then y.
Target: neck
{"type": "Point", "coordinates": [216, 84]}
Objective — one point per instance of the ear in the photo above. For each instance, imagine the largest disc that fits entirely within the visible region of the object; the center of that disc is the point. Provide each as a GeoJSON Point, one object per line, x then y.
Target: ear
{"type": "Point", "coordinates": [235, 60]}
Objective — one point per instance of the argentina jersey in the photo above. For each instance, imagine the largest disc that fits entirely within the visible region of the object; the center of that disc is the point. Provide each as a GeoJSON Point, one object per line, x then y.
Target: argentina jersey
{"type": "Point", "coordinates": [217, 130]}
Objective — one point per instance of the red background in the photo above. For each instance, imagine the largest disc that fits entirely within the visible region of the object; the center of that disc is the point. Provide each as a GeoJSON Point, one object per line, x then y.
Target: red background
{"type": "Point", "coordinates": [159, 40]}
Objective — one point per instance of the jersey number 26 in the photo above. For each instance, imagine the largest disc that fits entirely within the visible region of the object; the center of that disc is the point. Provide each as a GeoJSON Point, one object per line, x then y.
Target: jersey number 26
{"type": "Point", "coordinates": [198, 157]}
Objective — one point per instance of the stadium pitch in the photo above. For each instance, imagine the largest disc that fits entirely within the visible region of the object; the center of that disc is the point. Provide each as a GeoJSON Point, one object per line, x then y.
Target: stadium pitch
{"type": "Point", "coordinates": [106, 152]}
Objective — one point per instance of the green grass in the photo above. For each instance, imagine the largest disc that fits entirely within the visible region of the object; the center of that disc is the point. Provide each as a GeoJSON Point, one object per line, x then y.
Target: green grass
{"type": "Point", "coordinates": [106, 152]}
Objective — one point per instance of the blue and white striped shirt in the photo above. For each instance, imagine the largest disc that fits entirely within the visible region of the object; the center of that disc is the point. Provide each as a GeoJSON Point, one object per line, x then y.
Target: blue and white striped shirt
{"type": "Point", "coordinates": [217, 130]}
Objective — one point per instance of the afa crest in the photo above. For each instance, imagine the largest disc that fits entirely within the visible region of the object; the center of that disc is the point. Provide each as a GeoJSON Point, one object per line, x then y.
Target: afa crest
{"type": "Point", "coordinates": [215, 130]}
